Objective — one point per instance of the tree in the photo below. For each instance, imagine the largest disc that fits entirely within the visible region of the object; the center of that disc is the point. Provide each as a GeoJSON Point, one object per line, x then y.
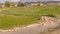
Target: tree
{"type": "Point", "coordinates": [7, 4]}
{"type": "Point", "coordinates": [20, 4]}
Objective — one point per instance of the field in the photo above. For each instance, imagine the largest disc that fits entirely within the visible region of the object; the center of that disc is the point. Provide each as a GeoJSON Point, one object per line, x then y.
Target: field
{"type": "Point", "coordinates": [21, 16]}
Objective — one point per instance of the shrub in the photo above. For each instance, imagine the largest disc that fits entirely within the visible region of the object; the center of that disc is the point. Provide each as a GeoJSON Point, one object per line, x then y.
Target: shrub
{"type": "Point", "coordinates": [20, 4]}
{"type": "Point", "coordinates": [7, 4]}
{"type": "Point", "coordinates": [50, 15]}
{"type": "Point", "coordinates": [17, 14]}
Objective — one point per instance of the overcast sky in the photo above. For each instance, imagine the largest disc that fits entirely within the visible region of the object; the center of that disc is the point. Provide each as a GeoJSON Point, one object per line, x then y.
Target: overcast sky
{"type": "Point", "coordinates": [26, 0]}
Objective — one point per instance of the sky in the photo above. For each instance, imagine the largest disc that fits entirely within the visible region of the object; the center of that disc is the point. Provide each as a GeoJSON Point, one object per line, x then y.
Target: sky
{"type": "Point", "coordinates": [26, 0]}
{"type": "Point", "coordinates": [9, 0]}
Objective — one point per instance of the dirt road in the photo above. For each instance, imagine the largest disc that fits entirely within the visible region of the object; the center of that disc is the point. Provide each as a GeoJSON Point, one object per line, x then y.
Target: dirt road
{"type": "Point", "coordinates": [32, 29]}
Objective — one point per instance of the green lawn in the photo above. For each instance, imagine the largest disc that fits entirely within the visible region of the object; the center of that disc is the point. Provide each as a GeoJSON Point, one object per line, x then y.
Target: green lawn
{"type": "Point", "coordinates": [19, 16]}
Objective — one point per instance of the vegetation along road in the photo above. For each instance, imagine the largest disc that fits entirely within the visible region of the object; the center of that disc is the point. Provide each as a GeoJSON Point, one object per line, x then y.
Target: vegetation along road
{"type": "Point", "coordinates": [23, 16]}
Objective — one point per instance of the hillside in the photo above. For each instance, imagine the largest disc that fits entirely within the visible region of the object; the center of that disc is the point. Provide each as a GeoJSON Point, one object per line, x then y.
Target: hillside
{"type": "Point", "coordinates": [23, 16]}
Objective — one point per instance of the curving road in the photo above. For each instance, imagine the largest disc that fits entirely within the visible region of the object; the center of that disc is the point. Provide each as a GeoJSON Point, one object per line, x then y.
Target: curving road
{"type": "Point", "coordinates": [32, 29]}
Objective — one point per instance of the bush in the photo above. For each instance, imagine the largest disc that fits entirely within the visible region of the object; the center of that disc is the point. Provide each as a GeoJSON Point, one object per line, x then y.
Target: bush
{"type": "Point", "coordinates": [17, 14]}
{"type": "Point", "coordinates": [7, 4]}
{"type": "Point", "coordinates": [50, 15]}
{"type": "Point", "coordinates": [20, 4]}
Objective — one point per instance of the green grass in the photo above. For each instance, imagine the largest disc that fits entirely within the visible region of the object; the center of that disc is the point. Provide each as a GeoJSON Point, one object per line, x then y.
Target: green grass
{"type": "Point", "coordinates": [19, 16]}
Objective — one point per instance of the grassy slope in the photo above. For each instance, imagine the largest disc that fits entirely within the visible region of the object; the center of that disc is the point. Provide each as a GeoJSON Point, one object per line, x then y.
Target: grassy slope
{"type": "Point", "coordinates": [19, 16]}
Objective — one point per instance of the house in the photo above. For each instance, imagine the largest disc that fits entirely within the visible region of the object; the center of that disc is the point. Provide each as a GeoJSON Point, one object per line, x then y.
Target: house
{"type": "Point", "coordinates": [39, 3]}
{"type": "Point", "coordinates": [27, 4]}
{"type": "Point", "coordinates": [32, 4]}
{"type": "Point", "coordinates": [2, 4]}
{"type": "Point", "coordinates": [52, 2]}
{"type": "Point", "coordinates": [35, 4]}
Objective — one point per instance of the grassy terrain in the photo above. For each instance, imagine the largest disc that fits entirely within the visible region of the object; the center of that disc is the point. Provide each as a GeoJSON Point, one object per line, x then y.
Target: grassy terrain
{"type": "Point", "coordinates": [19, 16]}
